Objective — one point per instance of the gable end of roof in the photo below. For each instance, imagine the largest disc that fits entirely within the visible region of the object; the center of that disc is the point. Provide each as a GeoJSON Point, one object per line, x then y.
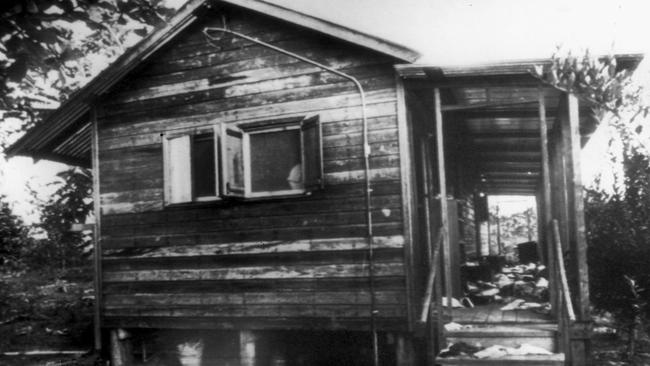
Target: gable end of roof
{"type": "Point", "coordinates": [38, 141]}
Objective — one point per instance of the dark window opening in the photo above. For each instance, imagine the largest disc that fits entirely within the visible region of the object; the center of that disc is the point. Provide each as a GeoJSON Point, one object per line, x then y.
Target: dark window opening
{"type": "Point", "coordinates": [276, 161]}
{"type": "Point", "coordinates": [203, 166]}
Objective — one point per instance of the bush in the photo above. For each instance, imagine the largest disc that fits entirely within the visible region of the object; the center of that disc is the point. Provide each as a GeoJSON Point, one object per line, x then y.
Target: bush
{"type": "Point", "coordinates": [13, 237]}
{"type": "Point", "coordinates": [618, 231]}
{"type": "Point", "coordinates": [70, 204]}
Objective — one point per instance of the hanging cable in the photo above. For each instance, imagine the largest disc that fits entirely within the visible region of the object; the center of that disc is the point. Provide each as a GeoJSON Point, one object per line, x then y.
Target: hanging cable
{"type": "Point", "coordinates": [366, 161]}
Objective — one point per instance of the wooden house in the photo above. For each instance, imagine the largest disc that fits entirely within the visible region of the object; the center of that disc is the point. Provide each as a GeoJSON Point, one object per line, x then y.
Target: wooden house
{"type": "Point", "coordinates": [271, 182]}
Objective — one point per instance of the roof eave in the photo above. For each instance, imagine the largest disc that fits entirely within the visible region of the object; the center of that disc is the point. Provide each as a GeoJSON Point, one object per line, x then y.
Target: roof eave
{"type": "Point", "coordinates": [507, 68]}
{"type": "Point", "coordinates": [79, 104]}
{"type": "Point", "coordinates": [353, 36]}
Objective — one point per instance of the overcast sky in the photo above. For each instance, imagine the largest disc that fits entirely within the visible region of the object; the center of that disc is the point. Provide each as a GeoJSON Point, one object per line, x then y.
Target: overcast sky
{"type": "Point", "coordinates": [452, 32]}
{"type": "Point", "coordinates": [464, 31]}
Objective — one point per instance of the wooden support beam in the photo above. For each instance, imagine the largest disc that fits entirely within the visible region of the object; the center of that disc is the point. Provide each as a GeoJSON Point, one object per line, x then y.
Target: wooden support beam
{"type": "Point", "coordinates": [247, 348]}
{"type": "Point", "coordinates": [406, 154]}
{"type": "Point", "coordinates": [506, 113]}
{"type": "Point", "coordinates": [444, 209]}
{"type": "Point", "coordinates": [544, 210]}
{"type": "Point", "coordinates": [512, 166]}
{"type": "Point", "coordinates": [576, 210]}
{"type": "Point", "coordinates": [470, 106]}
{"type": "Point", "coordinates": [97, 234]}
{"type": "Point", "coordinates": [514, 175]}
{"type": "Point", "coordinates": [576, 229]}
{"type": "Point", "coordinates": [510, 156]}
{"type": "Point", "coordinates": [121, 351]}
{"type": "Point", "coordinates": [404, 351]}
{"type": "Point", "coordinates": [570, 212]}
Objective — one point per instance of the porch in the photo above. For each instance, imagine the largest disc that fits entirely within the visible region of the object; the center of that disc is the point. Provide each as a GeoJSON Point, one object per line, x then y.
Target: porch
{"type": "Point", "coordinates": [491, 130]}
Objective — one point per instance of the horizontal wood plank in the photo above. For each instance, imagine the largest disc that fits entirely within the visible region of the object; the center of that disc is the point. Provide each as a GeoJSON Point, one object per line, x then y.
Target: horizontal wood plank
{"type": "Point", "coordinates": [260, 323]}
{"type": "Point", "coordinates": [141, 300]}
{"type": "Point", "coordinates": [261, 272]}
{"type": "Point", "coordinates": [258, 247]}
{"type": "Point", "coordinates": [281, 310]}
{"type": "Point", "coordinates": [390, 228]}
{"type": "Point", "coordinates": [357, 284]}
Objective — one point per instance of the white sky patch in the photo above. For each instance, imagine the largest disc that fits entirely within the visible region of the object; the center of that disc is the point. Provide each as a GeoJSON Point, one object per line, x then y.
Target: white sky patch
{"type": "Point", "coordinates": [16, 173]}
{"type": "Point", "coordinates": [175, 4]}
{"type": "Point", "coordinates": [466, 32]}
{"type": "Point", "coordinates": [509, 205]}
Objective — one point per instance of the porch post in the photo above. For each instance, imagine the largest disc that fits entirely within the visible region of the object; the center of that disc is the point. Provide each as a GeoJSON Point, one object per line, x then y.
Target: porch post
{"type": "Point", "coordinates": [577, 242]}
{"type": "Point", "coordinates": [558, 210]}
{"type": "Point", "coordinates": [247, 348]}
{"type": "Point", "coordinates": [404, 355]}
{"type": "Point", "coordinates": [97, 233]}
{"type": "Point", "coordinates": [442, 181]}
{"type": "Point", "coordinates": [545, 230]}
{"type": "Point", "coordinates": [577, 233]}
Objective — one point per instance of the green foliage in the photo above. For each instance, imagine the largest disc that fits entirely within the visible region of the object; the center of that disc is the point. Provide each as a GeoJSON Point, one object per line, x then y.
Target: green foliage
{"type": "Point", "coordinates": [618, 230]}
{"type": "Point", "coordinates": [617, 217]}
{"type": "Point", "coordinates": [70, 204]}
{"type": "Point", "coordinates": [42, 56]}
{"type": "Point", "coordinates": [596, 80]}
{"type": "Point", "coordinates": [13, 237]}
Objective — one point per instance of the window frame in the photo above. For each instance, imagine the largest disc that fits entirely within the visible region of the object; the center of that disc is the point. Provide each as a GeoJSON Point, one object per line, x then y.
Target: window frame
{"type": "Point", "coordinates": [248, 168]}
{"type": "Point", "coordinates": [191, 133]}
{"type": "Point", "coordinates": [269, 126]}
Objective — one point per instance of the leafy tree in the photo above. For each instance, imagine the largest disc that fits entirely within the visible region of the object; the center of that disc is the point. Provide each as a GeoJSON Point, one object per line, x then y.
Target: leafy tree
{"type": "Point", "coordinates": [618, 228]}
{"type": "Point", "coordinates": [617, 217]}
{"type": "Point", "coordinates": [48, 49]}
{"type": "Point", "coordinates": [13, 236]}
{"type": "Point", "coordinates": [46, 44]}
{"type": "Point", "coordinates": [69, 204]}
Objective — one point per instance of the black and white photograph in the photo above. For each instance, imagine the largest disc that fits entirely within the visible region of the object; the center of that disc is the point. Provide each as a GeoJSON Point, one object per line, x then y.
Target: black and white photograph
{"type": "Point", "coordinates": [324, 183]}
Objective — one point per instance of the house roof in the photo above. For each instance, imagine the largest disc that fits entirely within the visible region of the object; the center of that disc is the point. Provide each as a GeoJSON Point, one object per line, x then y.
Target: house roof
{"type": "Point", "coordinates": [65, 134]}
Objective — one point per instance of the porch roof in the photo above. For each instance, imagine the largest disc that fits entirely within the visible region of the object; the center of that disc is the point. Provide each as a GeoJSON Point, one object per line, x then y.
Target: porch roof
{"type": "Point", "coordinates": [495, 108]}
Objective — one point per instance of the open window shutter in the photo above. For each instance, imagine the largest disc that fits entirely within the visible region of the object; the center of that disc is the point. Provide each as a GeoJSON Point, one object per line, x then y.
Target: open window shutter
{"type": "Point", "coordinates": [232, 161]}
{"type": "Point", "coordinates": [217, 160]}
{"type": "Point", "coordinates": [178, 169]}
{"type": "Point", "coordinates": [312, 153]}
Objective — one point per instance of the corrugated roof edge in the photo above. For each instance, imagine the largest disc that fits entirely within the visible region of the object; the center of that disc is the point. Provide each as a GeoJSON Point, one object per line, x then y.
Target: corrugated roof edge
{"type": "Point", "coordinates": [510, 67]}
{"type": "Point", "coordinates": [35, 141]}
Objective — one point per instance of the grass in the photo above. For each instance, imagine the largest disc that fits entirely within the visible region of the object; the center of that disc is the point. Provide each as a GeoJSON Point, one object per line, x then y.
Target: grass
{"type": "Point", "coordinates": [46, 310]}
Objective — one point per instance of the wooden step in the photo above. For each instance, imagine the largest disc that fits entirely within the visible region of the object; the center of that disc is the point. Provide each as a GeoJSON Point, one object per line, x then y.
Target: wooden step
{"type": "Point", "coordinates": [505, 335]}
{"type": "Point", "coordinates": [556, 359]}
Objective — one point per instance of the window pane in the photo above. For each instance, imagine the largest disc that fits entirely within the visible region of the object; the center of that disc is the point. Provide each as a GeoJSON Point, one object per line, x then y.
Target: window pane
{"type": "Point", "coordinates": [233, 164]}
{"type": "Point", "coordinates": [203, 167]}
{"type": "Point", "coordinates": [178, 170]}
{"type": "Point", "coordinates": [275, 161]}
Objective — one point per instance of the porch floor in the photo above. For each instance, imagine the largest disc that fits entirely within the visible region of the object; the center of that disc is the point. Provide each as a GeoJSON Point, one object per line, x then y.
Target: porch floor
{"type": "Point", "coordinates": [492, 313]}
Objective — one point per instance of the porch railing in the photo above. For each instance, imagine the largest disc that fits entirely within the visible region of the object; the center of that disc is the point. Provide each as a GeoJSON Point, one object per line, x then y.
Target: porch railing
{"type": "Point", "coordinates": [433, 277]}
{"type": "Point", "coordinates": [565, 293]}
{"type": "Point", "coordinates": [565, 313]}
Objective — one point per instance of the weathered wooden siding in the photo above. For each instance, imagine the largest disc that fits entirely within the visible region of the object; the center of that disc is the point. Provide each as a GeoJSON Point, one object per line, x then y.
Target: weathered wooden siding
{"type": "Point", "coordinates": [283, 263]}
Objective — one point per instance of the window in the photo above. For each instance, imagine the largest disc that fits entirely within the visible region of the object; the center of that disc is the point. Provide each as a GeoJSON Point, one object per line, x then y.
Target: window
{"type": "Point", "coordinates": [254, 160]}
{"type": "Point", "coordinates": [273, 158]}
{"type": "Point", "coordinates": [191, 172]}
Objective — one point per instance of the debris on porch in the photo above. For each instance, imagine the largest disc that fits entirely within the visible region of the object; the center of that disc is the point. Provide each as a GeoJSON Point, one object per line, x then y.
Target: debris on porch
{"type": "Point", "coordinates": [495, 351]}
{"type": "Point", "coordinates": [522, 286]}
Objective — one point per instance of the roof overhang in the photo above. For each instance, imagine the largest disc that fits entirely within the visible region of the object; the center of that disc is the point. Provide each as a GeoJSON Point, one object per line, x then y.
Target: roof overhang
{"type": "Point", "coordinates": [496, 109]}
{"type": "Point", "coordinates": [65, 135]}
